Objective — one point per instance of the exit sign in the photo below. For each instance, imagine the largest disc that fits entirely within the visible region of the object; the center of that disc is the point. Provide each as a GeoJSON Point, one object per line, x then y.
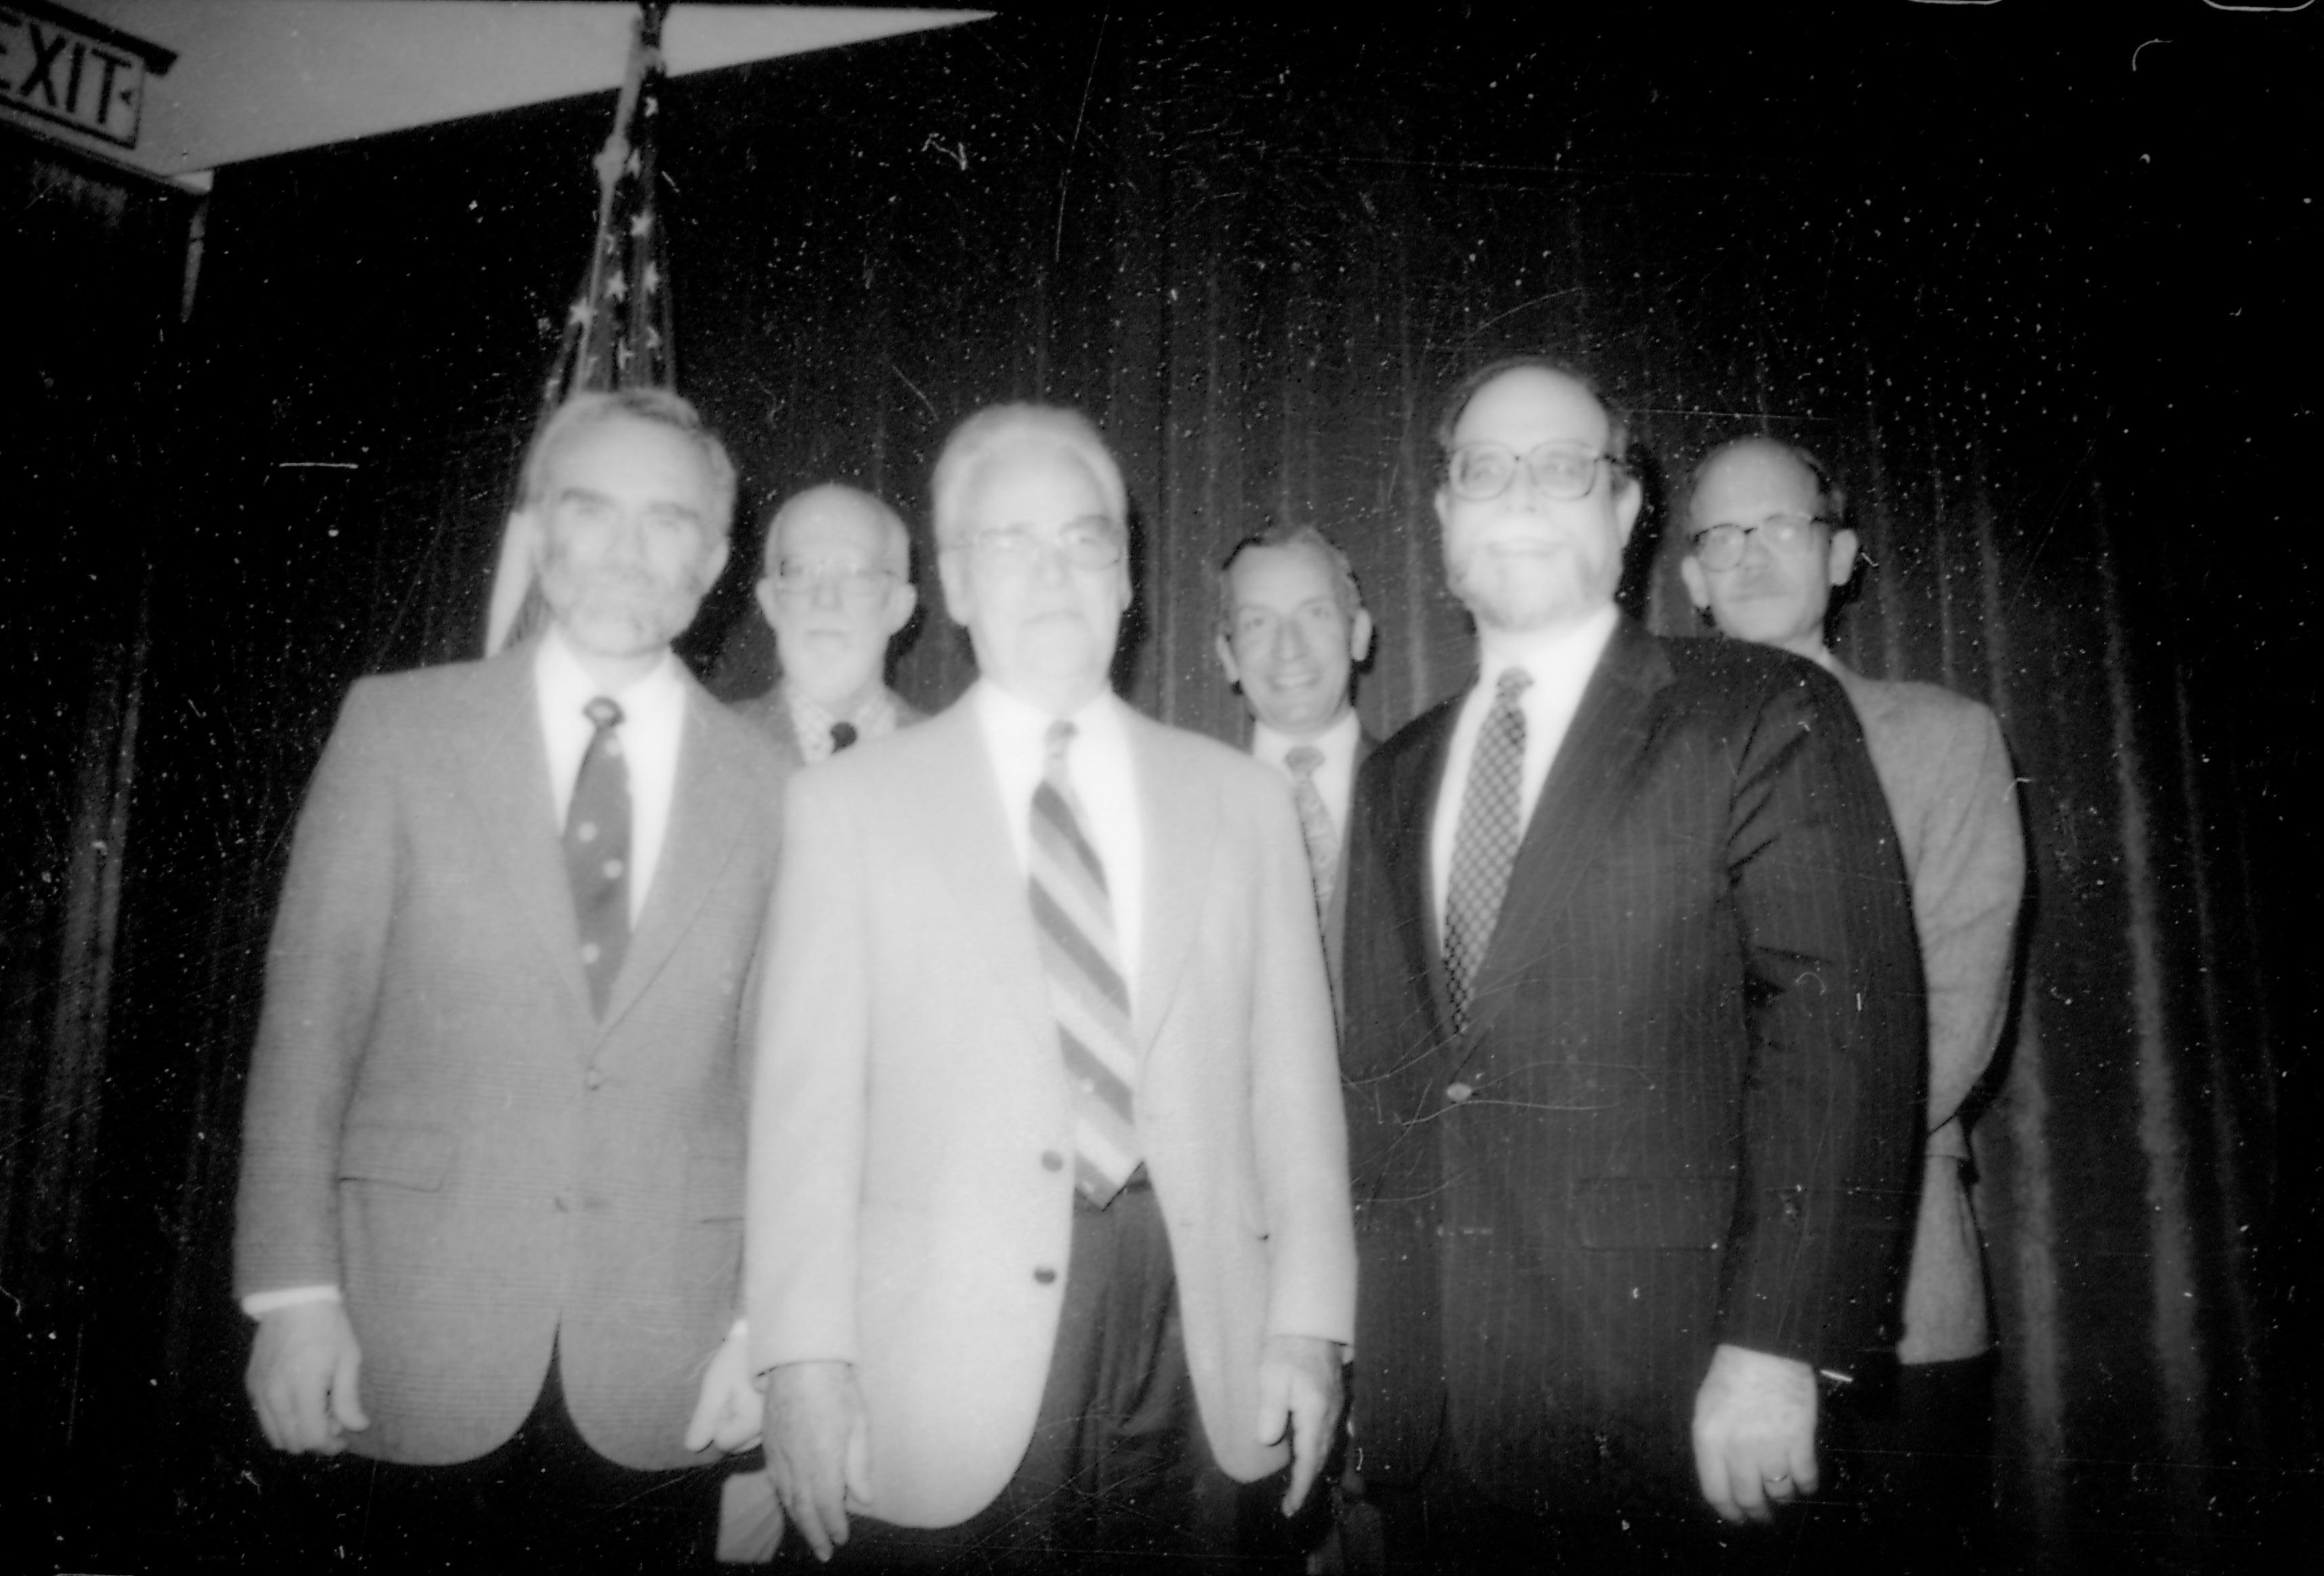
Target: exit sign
{"type": "Point", "coordinates": [76, 72]}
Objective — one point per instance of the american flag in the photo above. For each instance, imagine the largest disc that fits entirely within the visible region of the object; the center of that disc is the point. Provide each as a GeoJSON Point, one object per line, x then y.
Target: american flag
{"type": "Point", "coordinates": [617, 333]}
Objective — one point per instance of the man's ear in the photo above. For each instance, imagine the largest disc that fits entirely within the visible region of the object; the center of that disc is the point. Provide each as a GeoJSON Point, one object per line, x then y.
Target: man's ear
{"type": "Point", "coordinates": [763, 593]}
{"type": "Point", "coordinates": [524, 530]}
{"type": "Point", "coordinates": [1843, 565]}
{"type": "Point", "coordinates": [1225, 648]}
{"type": "Point", "coordinates": [1360, 636]}
{"type": "Point", "coordinates": [959, 593]}
{"type": "Point", "coordinates": [902, 597]}
{"type": "Point", "coordinates": [1630, 497]}
{"type": "Point", "coordinates": [1698, 585]}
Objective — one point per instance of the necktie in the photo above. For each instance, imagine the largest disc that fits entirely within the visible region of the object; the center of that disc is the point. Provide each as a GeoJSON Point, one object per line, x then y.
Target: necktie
{"type": "Point", "coordinates": [598, 851]}
{"type": "Point", "coordinates": [1315, 821]}
{"type": "Point", "coordinates": [1485, 843]}
{"type": "Point", "coordinates": [1074, 918]}
{"type": "Point", "coordinates": [843, 734]}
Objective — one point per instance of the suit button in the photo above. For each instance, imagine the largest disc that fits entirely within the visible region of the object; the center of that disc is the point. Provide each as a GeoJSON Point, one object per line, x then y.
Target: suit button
{"type": "Point", "coordinates": [1044, 1276]}
{"type": "Point", "coordinates": [1052, 1161]}
{"type": "Point", "coordinates": [564, 1203]}
{"type": "Point", "coordinates": [1457, 1092]}
{"type": "Point", "coordinates": [592, 1078]}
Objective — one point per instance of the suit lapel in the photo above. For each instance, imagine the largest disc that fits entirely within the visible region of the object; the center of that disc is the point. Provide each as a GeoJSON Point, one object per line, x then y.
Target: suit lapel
{"type": "Point", "coordinates": [1179, 825]}
{"type": "Point", "coordinates": [505, 778]}
{"type": "Point", "coordinates": [1589, 782]}
{"type": "Point", "coordinates": [965, 836]}
{"type": "Point", "coordinates": [1418, 776]}
{"type": "Point", "coordinates": [710, 804]}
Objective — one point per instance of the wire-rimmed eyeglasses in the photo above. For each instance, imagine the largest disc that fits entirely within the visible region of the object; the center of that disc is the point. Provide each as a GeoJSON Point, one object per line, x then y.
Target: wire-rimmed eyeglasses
{"type": "Point", "coordinates": [1478, 471]}
{"type": "Point", "coordinates": [1720, 546]}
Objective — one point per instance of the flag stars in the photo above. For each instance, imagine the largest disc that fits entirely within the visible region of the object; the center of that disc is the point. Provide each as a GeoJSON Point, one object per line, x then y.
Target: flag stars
{"type": "Point", "coordinates": [643, 225]}
{"type": "Point", "coordinates": [617, 288]}
{"type": "Point", "coordinates": [581, 314]}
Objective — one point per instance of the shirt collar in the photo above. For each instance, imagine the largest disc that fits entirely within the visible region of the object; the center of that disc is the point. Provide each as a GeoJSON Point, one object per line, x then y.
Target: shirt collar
{"type": "Point", "coordinates": [1017, 725]}
{"type": "Point", "coordinates": [1335, 742]}
{"type": "Point", "coordinates": [1543, 652]}
{"type": "Point", "coordinates": [565, 683]}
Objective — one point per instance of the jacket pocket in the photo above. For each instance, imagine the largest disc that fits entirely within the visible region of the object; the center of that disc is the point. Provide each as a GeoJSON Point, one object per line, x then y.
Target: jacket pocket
{"type": "Point", "coordinates": [1638, 1213]}
{"type": "Point", "coordinates": [714, 1185]}
{"type": "Point", "coordinates": [397, 1154]}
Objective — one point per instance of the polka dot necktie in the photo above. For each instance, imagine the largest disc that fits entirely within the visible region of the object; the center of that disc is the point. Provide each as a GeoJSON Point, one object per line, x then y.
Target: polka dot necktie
{"type": "Point", "coordinates": [597, 852]}
{"type": "Point", "coordinates": [1316, 828]}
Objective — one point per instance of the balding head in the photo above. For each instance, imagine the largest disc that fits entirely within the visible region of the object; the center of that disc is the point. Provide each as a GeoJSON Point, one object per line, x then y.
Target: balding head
{"type": "Point", "coordinates": [837, 587]}
{"type": "Point", "coordinates": [1766, 543]}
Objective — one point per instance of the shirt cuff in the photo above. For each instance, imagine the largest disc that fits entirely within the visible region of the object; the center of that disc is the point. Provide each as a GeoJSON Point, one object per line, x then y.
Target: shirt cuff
{"type": "Point", "coordinates": [259, 1302]}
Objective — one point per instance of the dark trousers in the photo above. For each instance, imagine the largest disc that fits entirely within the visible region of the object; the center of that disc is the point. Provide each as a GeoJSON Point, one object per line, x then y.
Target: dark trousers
{"type": "Point", "coordinates": [543, 1501]}
{"type": "Point", "coordinates": [1117, 1476]}
{"type": "Point", "coordinates": [1917, 1462]}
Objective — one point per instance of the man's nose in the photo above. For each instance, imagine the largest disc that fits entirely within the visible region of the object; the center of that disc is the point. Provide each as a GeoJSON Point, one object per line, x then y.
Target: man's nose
{"type": "Point", "coordinates": [1290, 641]}
{"type": "Point", "coordinates": [822, 592]}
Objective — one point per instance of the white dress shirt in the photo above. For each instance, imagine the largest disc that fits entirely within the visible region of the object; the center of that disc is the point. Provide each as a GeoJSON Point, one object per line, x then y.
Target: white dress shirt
{"type": "Point", "coordinates": [1561, 662]}
{"type": "Point", "coordinates": [1105, 785]}
{"type": "Point", "coordinates": [654, 722]}
{"type": "Point", "coordinates": [1335, 778]}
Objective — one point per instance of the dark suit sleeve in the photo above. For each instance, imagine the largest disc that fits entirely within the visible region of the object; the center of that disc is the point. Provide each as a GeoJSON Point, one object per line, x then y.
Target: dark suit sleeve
{"type": "Point", "coordinates": [323, 977]}
{"type": "Point", "coordinates": [1829, 1119]}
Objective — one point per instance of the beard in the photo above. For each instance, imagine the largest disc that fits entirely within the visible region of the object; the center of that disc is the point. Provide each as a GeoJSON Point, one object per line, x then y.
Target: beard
{"type": "Point", "coordinates": [614, 614]}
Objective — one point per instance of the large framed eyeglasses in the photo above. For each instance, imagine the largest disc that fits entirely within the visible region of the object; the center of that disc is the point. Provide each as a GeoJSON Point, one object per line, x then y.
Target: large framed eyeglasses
{"type": "Point", "coordinates": [1478, 471]}
{"type": "Point", "coordinates": [855, 583]}
{"type": "Point", "coordinates": [1090, 542]}
{"type": "Point", "coordinates": [1721, 546]}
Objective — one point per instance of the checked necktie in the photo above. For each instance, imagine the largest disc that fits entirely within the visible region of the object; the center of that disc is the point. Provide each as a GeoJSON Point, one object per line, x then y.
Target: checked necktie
{"type": "Point", "coordinates": [1485, 843]}
{"type": "Point", "coordinates": [1315, 821]}
{"type": "Point", "coordinates": [1073, 918]}
{"type": "Point", "coordinates": [598, 851]}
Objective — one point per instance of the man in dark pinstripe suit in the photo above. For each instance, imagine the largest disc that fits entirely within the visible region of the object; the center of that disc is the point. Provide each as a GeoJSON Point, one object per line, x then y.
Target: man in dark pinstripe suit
{"type": "Point", "coordinates": [1634, 1043]}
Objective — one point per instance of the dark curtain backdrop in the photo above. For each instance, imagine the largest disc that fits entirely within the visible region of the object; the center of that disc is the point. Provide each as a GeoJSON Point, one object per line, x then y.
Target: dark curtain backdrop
{"type": "Point", "coordinates": [2040, 298]}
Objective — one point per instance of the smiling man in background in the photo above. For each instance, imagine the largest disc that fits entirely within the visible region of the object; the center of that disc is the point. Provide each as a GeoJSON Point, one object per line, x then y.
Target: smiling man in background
{"type": "Point", "coordinates": [1292, 629]}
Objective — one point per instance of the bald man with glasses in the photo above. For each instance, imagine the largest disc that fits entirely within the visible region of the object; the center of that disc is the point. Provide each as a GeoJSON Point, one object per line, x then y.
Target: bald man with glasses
{"type": "Point", "coordinates": [1767, 547]}
{"type": "Point", "coordinates": [837, 591]}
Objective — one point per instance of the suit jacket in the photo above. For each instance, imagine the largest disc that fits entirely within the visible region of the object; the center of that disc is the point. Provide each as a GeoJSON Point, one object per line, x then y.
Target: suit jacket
{"type": "Point", "coordinates": [1685, 1109]}
{"type": "Point", "coordinates": [911, 1184]}
{"type": "Point", "coordinates": [1946, 773]}
{"type": "Point", "coordinates": [772, 712]}
{"type": "Point", "coordinates": [438, 1123]}
{"type": "Point", "coordinates": [1335, 912]}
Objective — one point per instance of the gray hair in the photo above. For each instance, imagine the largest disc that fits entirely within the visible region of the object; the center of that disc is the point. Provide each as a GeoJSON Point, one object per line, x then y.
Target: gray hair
{"type": "Point", "coordinates": [999, 426]}
{"type": "Point", "coordinates": [895, 536]}
{"type": "Point", "coordinates": [660, 407]}
{"type": "Point", "coordinates": [1831, 498]}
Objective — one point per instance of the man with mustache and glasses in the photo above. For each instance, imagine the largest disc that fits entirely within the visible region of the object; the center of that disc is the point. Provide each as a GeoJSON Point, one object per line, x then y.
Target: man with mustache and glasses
{"type": "Point", "coordinates": [1633, 1044]}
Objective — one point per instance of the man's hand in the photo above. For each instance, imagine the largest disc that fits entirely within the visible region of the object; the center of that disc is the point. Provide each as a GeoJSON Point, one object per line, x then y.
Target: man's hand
{"type": "Point", "coordinates": [1299, 1391]}
{"type": "Point", "coordinates": [303, 1378]}
{"type": "Point", "coordinates": [818, 1456]}
{"type": "Point", "coordinates": [729, 1413]}
{"type": "Point", "coordinates": [1755, 1421]}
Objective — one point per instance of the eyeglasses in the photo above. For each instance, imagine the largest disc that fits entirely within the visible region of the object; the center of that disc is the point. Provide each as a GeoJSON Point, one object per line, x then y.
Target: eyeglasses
{"type": "Point", "coordinates": [1720, 546]}
{"type": "Point", "coordinates": [855, 582]}
{"type": "Point", "coordinates": [1090, 542]}
{"type": "Point", "coordinates": [1478, 471]}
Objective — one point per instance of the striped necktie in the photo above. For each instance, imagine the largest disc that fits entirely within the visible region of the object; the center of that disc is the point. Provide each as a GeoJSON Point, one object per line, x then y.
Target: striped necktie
{"type": "Point", "coordinates": [1088, 991]}
{"type": "Point", "coordinates": [597, 852]}
{"type": "Point", "coordinates": [1315, 825]}
{"type": "Point", "coordinates": [1485, 842]}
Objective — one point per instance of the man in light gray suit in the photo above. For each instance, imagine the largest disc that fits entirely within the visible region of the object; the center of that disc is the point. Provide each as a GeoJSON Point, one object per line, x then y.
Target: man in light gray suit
{"type": "Point", "coordinates": [1767, 544]}
{"type": "Point", "coordinates": [837, 588]}
{"type": "Point", "coordinates": [489, 1217]}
